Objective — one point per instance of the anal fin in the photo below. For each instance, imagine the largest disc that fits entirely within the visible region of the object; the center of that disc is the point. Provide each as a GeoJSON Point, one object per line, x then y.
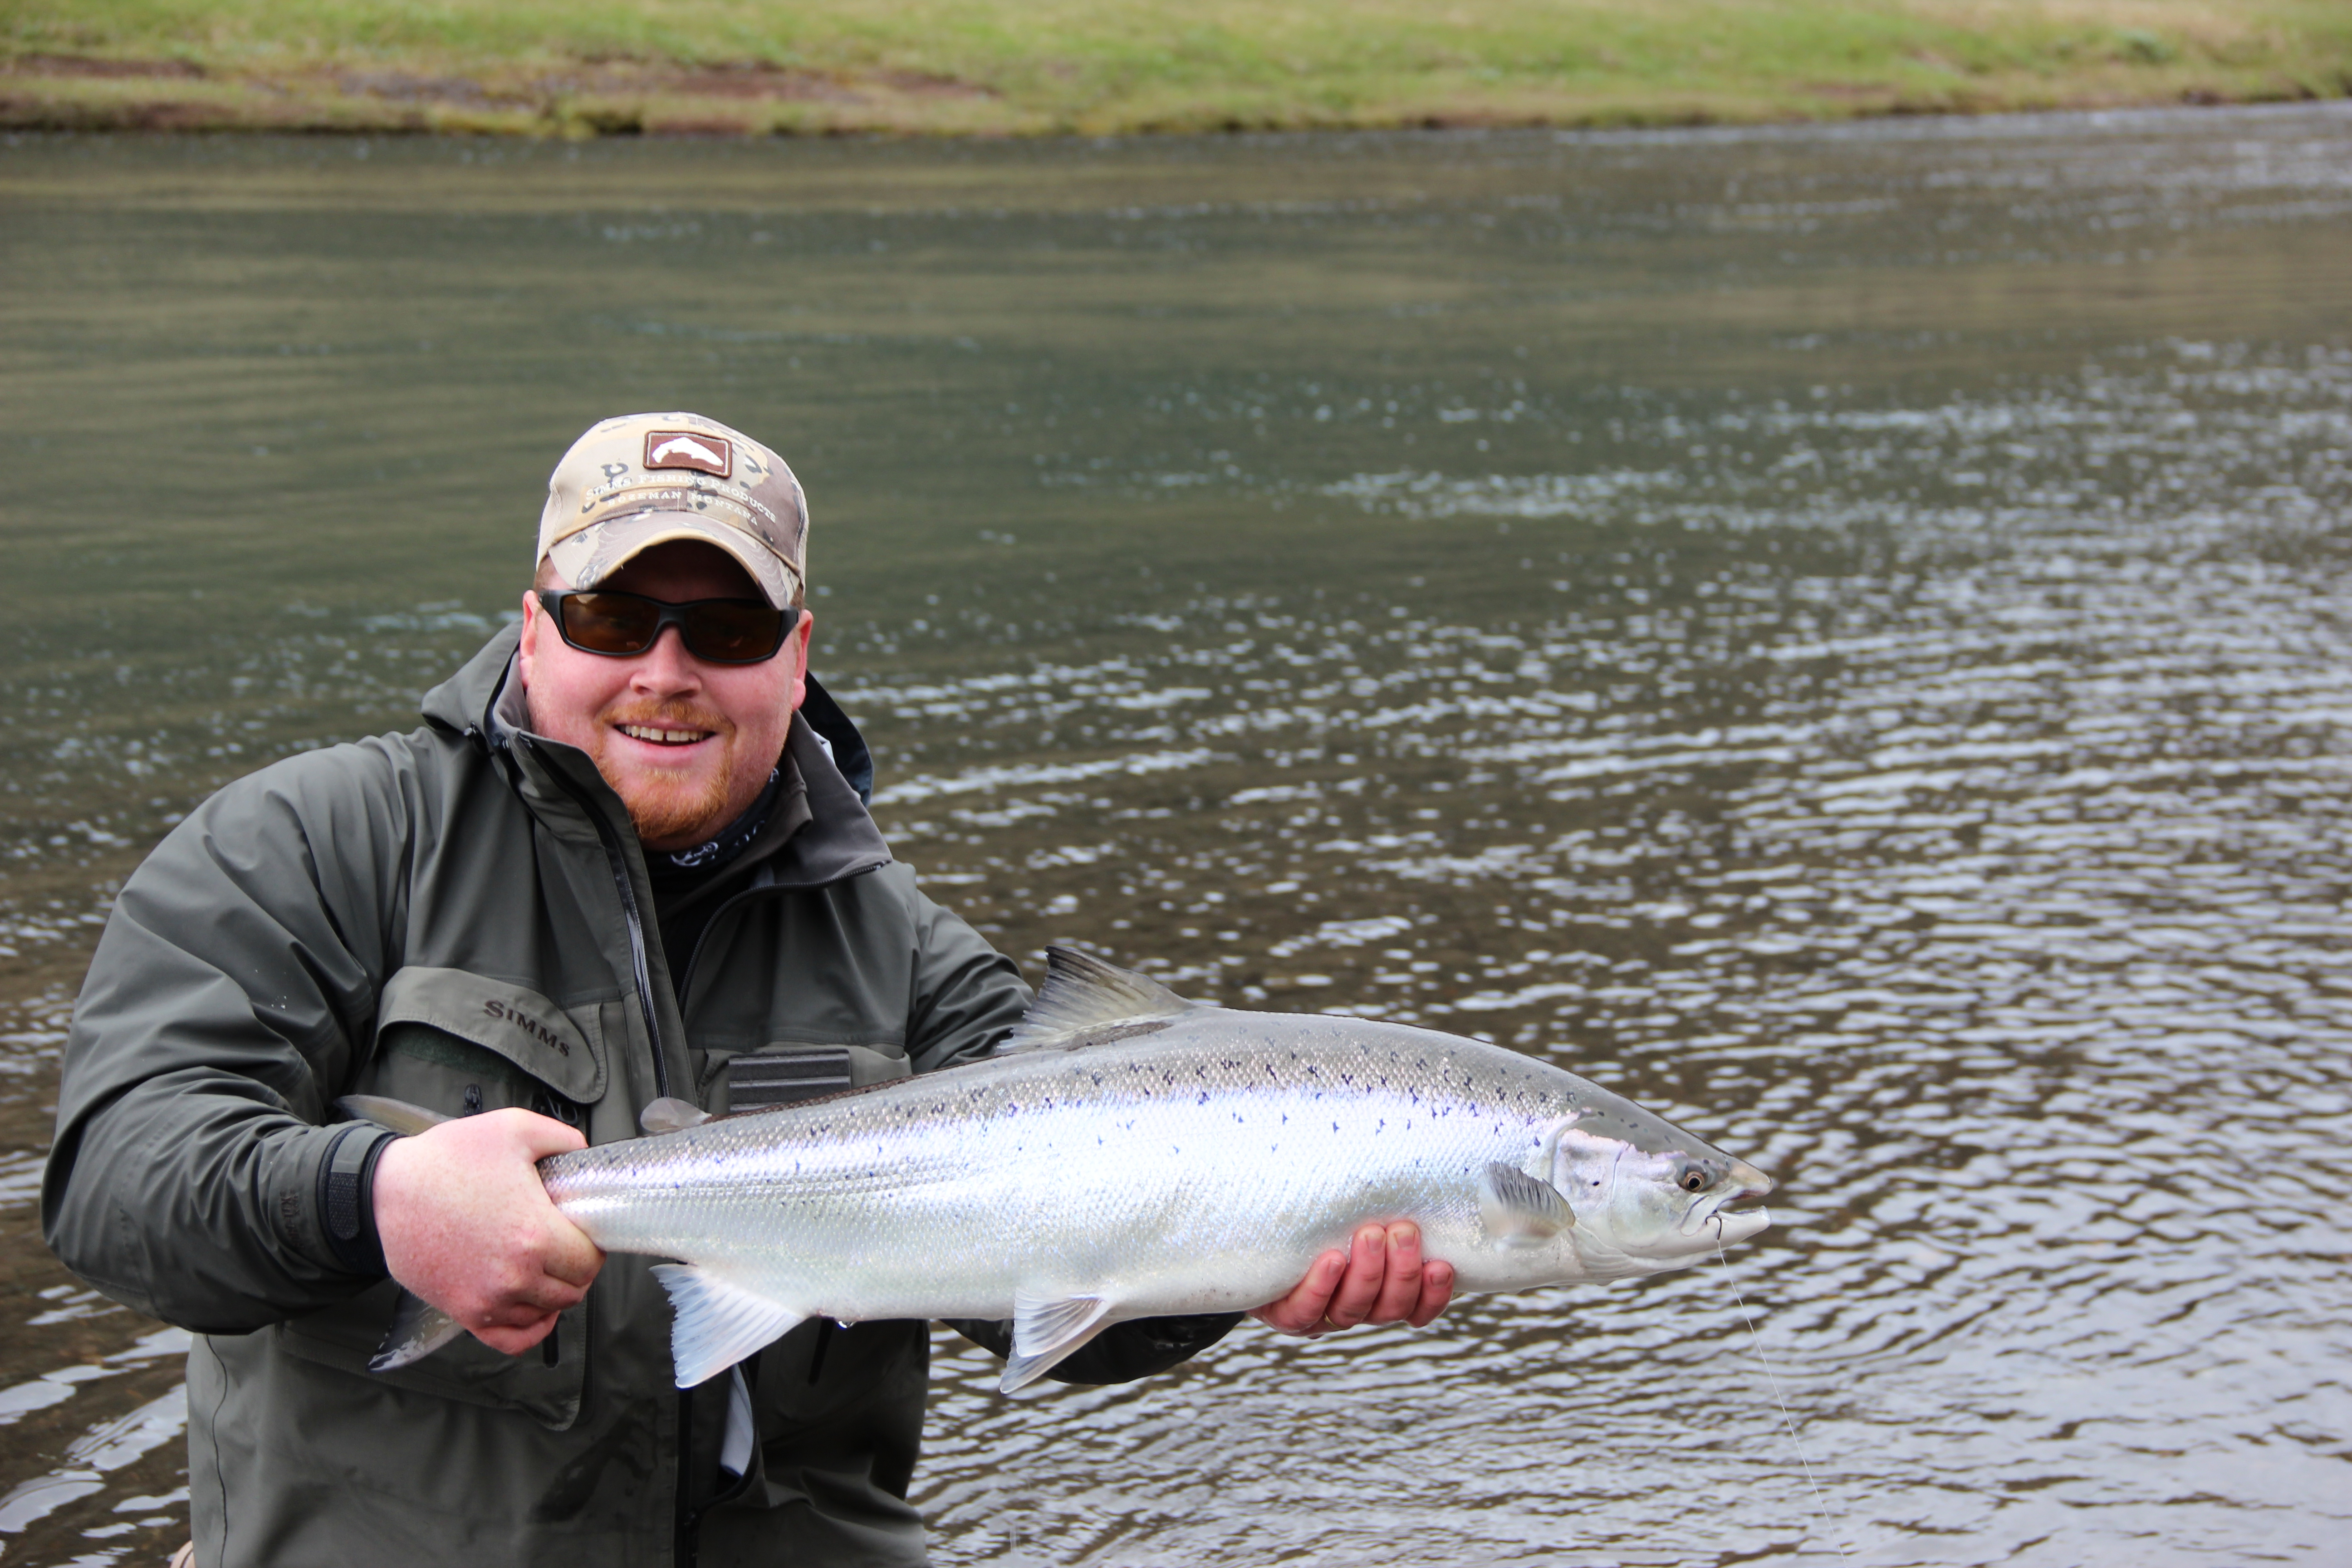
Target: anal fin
{"type": "Point", "coordinates": [1047, 1329]}
{"type": "Point", "coordinates": [718, 1322]}
{"type": "Point", "coordinates": [415, 1331]}
{"type": "Point", "coordinates": [1519, 1210]}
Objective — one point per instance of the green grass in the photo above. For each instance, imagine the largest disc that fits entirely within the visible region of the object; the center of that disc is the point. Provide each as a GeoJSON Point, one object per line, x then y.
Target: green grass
{"type": "Point", "coordinates": [575, 67]}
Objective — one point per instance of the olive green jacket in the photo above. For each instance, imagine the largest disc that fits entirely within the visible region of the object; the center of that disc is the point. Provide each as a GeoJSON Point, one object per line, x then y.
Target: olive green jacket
{"type": "Point", "coordinates": [460, 916]}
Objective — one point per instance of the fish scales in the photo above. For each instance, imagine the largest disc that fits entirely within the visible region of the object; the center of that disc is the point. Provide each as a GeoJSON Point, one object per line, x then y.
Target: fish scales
{"type": "Point", "coordinates": [1201, 1166]}
{"type": "Point", "coordinates": [1127, 1154]}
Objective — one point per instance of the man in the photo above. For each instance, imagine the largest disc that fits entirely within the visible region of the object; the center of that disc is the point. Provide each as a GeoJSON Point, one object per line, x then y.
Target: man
{"type": "Point", "coordinates": [626, 857]}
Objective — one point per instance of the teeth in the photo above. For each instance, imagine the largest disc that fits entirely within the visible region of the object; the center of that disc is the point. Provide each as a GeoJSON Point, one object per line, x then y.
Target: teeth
{"type": "Point", "coordinates": [661, 737]}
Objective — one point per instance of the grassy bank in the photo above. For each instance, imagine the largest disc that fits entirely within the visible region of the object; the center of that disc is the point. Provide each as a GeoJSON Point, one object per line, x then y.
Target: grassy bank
{"type": "Point", "coordinates": [1028, 67]}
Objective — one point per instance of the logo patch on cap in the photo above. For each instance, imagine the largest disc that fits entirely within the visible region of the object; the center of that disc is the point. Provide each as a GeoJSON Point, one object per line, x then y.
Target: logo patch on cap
{"type": "Point", "coordinates": [690, 449]}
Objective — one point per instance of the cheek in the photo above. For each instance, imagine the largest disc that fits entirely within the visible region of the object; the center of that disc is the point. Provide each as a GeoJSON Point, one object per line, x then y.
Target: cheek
{"type": "Point", "coordinates": [760, 708]}
{"type": "Point", "coordinates": [566, 694]}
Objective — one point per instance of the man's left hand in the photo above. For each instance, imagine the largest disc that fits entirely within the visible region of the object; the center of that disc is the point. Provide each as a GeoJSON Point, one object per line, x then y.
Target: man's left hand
{"type": "Point", "coordinates": [1381, 1278]}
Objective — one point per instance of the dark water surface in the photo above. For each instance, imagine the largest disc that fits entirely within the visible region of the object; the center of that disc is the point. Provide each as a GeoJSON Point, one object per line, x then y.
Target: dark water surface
{"type": "Point", "coordinates": [1840, 635]}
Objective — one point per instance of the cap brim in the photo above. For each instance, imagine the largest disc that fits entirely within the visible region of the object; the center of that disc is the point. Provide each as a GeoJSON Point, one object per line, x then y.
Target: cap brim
{"type": "Point", "coordinates": [586, 558]}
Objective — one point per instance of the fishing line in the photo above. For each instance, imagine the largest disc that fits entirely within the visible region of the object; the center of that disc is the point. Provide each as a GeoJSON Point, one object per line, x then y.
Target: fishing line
{"type": "Point", "coordinates": [1820, 1504]}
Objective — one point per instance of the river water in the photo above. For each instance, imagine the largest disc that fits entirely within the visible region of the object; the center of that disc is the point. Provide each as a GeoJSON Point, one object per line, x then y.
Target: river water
{"type": "Point", "coordinates": [1839, 633]}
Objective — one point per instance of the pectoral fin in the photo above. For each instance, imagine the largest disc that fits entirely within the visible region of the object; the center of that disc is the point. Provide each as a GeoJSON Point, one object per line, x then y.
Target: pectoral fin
{"type": "Point", "coordinates": [669, 1114]}
{"type": "Point", "coordinates": [417, 1330]}
{"type": "Point", "coordinates": [1047, 1329]}
{"type": "Point", "coordinates": [1520, 1210]}
{"type": "Point", "coordinates": [718, 1322]}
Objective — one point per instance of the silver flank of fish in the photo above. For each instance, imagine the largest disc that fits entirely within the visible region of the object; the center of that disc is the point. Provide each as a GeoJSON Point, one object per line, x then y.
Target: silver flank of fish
{"type": "Point", "coordinates": [1130, 1155]}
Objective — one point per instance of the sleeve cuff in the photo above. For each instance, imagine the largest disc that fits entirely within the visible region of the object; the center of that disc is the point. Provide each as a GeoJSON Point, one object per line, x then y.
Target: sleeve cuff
{"type": "Point", "coordinates": [346, 1197]}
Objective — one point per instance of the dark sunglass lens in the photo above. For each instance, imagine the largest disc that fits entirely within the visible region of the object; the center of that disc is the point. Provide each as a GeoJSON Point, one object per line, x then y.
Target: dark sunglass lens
{"type": "Point", "coordinates": [610, 623]}
{"type": "Point", "coordinates": [732, 633]}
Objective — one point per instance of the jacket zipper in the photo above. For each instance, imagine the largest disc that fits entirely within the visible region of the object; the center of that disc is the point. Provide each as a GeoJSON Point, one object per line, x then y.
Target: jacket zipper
{"type": "Point", "coordinates": [690, 1519]}
{"type": "Point", "coordinates": [632, 917]}
{"type": "Point", "coordinates": [685, 1546]}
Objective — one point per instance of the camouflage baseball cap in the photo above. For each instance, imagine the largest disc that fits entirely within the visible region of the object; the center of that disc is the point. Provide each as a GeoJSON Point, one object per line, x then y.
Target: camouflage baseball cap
{"type": "Point", "coordinates": [644, 480]}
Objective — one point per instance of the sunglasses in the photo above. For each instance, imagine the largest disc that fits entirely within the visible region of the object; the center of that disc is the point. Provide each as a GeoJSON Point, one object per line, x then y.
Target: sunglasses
{"type": "Point", "coordinates": [717, 631]}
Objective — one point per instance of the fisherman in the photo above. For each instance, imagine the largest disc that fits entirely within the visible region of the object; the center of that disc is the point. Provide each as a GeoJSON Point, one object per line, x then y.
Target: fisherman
{"type": "Point", "coordinates": [626, 857]}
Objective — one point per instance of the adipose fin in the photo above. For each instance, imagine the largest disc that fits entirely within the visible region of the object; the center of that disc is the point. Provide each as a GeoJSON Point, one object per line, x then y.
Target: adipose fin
{"type": "Point", "coordinates": [670, 1114]}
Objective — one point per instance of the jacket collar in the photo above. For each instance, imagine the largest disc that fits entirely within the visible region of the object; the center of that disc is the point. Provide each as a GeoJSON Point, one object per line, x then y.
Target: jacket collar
{"type": "Point", "coordinates": [818, 833]}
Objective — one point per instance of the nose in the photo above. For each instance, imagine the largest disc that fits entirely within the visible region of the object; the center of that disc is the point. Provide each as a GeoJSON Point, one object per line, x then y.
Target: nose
{"type": "Point", "coordinates": [1753, 1182]}
{"type": "Point", "coordinates": [665, 666]}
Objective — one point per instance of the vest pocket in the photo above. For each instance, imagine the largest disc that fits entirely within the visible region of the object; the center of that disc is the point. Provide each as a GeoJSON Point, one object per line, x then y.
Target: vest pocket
{"type": "Point", "coordinates": [545, 1383]}
{"type": "Point", "coordinates": [557, 1048]}
{"type": "Point", "coordinates": [460, 1043]}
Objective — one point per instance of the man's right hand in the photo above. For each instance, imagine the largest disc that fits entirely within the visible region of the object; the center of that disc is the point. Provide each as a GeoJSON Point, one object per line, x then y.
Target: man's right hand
{"type": "Point", "coordinates": [466, 1225]}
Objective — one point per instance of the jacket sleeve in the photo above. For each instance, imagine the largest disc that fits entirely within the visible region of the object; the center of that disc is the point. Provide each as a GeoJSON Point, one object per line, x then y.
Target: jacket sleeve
{"type": "Point", "coordinates": [966, 995]}
{"type": "Point", "coordinates": [1120, 1353]}
{"type": "Point", "coordinates": [194, 1174]}
{"type": "Point", "coordinates": [969, 997]}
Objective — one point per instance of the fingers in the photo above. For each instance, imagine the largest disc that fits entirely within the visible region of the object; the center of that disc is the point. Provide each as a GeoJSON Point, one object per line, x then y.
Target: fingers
{"type": "Point", "coordinates": [1301, 1312]}
{"type": "Point", "coordinates": [1380, 1279]}
{"type": "Point", "coordinates": [1437, 1292]}
{"type": "Point", "coordinates": [466, 1225]}
{"type": "Point", "coordinates": [514, 1342]}
{"type": "Point", "coordinates": [1400, 1276]}
{"type": "Point", "coordinates": [567, 1254]}
{"type": "Point", "coordinates": [1360, 1289]}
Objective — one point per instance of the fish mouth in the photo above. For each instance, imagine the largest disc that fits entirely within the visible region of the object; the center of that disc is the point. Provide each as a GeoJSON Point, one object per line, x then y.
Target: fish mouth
{"type": "Point", "coordinates": [1743, 1182]}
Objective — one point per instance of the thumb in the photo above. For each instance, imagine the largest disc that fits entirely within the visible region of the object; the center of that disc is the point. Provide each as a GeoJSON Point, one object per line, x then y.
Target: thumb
{"type": "Point", "coordinates": [540, 1136]}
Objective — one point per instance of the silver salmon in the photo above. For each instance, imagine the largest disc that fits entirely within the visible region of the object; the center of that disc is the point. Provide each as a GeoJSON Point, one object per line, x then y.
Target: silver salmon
{"type": "Point", "coordinates": [1127, 1154]}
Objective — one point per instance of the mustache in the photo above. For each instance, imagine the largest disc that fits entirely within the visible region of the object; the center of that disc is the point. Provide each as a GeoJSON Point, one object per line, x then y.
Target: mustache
{"type": "Point", "coordinates": [668, 716]}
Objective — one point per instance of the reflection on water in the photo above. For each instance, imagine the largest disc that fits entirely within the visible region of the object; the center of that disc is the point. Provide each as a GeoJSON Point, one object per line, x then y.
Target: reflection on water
{"type": "Point", "coordinates": [1836, 633]}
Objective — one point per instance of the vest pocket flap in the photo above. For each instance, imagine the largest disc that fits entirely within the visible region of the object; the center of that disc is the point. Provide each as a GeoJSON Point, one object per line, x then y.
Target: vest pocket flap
{"type": "Point", "coordinates": [547, 1383]}
{"type": "Point", "coordinates": [513, 1021]}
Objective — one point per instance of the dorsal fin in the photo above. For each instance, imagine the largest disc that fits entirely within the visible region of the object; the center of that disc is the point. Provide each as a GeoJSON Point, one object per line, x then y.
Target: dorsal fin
{"type": "Point", "coordinates": [1084, 995]}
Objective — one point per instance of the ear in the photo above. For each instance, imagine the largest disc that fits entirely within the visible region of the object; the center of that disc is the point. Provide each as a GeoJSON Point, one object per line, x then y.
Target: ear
{"type": "Point", "coordinates": [529, 647]}
{"type": "Point", "coordinates": [797, 641]}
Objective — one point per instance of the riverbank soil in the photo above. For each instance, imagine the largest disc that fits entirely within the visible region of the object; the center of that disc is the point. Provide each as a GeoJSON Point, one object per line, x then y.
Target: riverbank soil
{"type": "Point", "coordinates": [1096, 67]}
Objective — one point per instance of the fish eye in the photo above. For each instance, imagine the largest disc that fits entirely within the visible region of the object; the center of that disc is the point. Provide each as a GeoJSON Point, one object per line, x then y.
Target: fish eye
{"type": "Point", "coordinates": [1693, 1181]}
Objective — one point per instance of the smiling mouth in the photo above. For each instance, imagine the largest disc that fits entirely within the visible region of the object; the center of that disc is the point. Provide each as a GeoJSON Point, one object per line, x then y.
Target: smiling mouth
{"type": "Point", "coordinates": [659, 737]}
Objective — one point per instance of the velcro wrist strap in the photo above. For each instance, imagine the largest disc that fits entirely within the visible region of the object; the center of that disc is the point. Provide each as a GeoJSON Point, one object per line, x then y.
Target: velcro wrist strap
{"type": "Point", "coordinates": [347, 1197]}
